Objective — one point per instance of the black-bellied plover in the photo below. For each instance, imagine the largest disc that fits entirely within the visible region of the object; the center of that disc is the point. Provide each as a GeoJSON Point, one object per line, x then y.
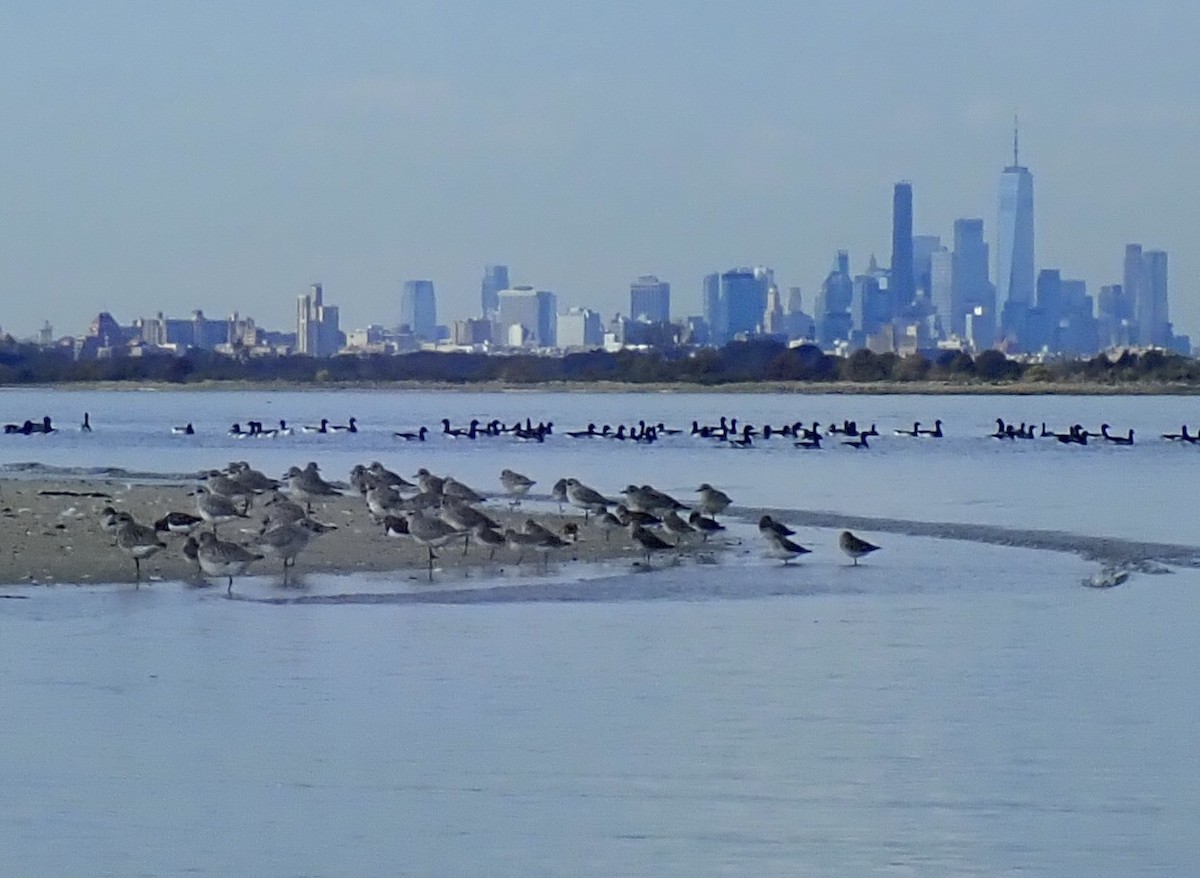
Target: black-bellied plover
{"type": "Point", "coordinates": [712, 501]}
{"type": "Point", "coordinates": [138, 541]}
{"type": "Point", "coordinates": [588, 499]}
{"type": "Point", "coordinates": [216, 509]}
{"type": "Point", "coordinates": [219, 557]}
{"type": "Point", "coordinates": [515, 485]}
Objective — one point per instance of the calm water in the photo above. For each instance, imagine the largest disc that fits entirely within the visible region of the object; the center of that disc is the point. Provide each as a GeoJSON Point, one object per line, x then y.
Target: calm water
{"type": "Point", "coordinates": [950, 708]}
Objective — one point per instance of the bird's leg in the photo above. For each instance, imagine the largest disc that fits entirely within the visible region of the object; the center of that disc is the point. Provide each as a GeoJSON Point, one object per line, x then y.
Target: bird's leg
{"type": "Point", "coordinates": [229, 590]}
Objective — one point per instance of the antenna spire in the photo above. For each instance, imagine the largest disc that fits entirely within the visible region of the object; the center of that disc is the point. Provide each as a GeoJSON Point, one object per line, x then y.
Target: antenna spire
{"type": "Point", "coordinates": [1016, 142]}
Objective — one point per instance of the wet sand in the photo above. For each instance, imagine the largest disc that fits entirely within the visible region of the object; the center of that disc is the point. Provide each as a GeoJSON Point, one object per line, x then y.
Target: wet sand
{"type": "Point", "coordinates": [50, 532]}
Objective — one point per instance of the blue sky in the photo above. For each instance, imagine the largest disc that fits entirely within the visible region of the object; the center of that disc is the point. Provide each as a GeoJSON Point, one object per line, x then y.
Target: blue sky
{"type": "Point", "coordinates": [168, 156]}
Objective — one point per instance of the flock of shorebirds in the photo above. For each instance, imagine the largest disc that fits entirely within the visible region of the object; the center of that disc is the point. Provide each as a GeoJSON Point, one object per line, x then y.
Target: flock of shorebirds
{"type": "Point", "coordinates": [433, 511]}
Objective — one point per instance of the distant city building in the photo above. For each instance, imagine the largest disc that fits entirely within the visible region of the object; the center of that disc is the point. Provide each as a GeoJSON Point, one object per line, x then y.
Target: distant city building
{"type": "Point", "coordinates": [580, 328]}
{"type": "Point", "coordinates": [472, 332]}
{"type": "Point", "coordinates": [1014, 245]}
{"type": "Point", "coordinates": [1145, 296]}
{"type": "Point", "coordinates": [832, 314]}
{"type": "Point", "coordinates": [650, 300]}
{"type": "Point", "coordinates": [924, 246]}
{"type": "Point", "coordinates": [533, 311]}
{"type": "Point", "coordinates": [418, 309]}
{"type": "Point", "coordinates": [197, 331]}
{"type": "Point", "coordinates": [495, 279]}
{"type": "Point", "coordinates": [902, 283]}
{"type": "Point", "coordinates": [713, 309]}
{"type": "Point", "coordinates": [970, 287]}
{"type": "Point", "coordinates": [317, 331]}
{"type": "Point", "coordinates": [743, 300]}
{"type": "Point", "coordinates": [1154, 324]}
{"type": "Point", "coordinates": [941, 287]}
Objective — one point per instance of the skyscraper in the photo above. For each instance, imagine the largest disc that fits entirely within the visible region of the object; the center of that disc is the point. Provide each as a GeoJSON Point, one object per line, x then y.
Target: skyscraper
{"type": "Point", "coordinates": [1153, 320]}
{"type": "Point", "coordinates": [744, 300]}
{"type": "Point", "coordinates": [317, 331]}
{"type": "Point", "coordinates": [941, 287]}
{"type": "Point", "coordinates": [418, 309]}
{"type": "Point", "coordinates": [1014, 244]}
{"type": "Point", "coordinates": [902, 283]}
{"type": "Point", "coordinates": [650, 299]}
{"type": "Point", "coordinates": [495, 279]}
{"type": "Point", "coordinates": [971, 288]}
{"type": "Point", "coordinates": [1134, 280]}
{"type": "Point", "coordinates": [534, 311]}
{"type": "Point", "coordinates": [714, 313]}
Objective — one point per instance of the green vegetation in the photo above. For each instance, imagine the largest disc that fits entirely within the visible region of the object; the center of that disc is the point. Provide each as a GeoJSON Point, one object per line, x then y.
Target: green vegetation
{"type": "Point", "coordinates": [738, 362]}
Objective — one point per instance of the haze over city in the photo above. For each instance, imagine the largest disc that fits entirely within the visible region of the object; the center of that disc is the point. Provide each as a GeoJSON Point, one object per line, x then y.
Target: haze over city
{"type": "Point", "coordinates": [223, 157]}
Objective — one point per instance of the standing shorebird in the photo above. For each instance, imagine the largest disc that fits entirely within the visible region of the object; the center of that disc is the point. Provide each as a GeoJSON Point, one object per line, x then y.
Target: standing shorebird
{"type": "Point", "coordinates": [215, 509]}
{"type": "Point", "coordinates": [431, 533]}
{"type": "Point", "coordinates": [138, 541]}
{"type": "Point", "coordinates": [712, 501]}
{"type": "Point", "coordinates": [648, 541]}
{"type": "Point", "coordinates": [515, 485]}
{"type": "Point", "coordinates": [285, 542]}
{"type": "Point", "coordinates": [220, 558]}
{"type": "Point", "coordinates": [779, 546]}
{"type": "Point", "coordinates": [307, 485]}
{"type": "Point", "coordinates": [589, 500]}
{"type": "Point", "coordinates": [705, 526]}
{"type": "Point", "coordinates": [559, 493]}
{"type": "Point", "coordinates": [855, 547]}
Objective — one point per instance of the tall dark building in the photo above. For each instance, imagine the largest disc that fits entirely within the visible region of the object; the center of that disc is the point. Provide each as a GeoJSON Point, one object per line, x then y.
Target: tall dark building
{"type": "Point", "coordinates": [902, 284]}
{"type": "Point", "coordinates": [495, 279]}
{"type": "Point", "coordinates": [650, 299]}
{"type": "Point", "coordinates": [418, 309]}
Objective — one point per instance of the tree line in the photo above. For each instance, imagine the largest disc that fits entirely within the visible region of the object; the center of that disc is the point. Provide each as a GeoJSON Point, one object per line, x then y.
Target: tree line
{"type": "Point", "coordinates": [737, 362]}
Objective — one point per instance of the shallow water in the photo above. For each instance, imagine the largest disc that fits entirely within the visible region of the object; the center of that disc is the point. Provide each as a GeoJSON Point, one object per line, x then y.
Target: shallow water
{"type": "Point", "coordinates": [947, 708]}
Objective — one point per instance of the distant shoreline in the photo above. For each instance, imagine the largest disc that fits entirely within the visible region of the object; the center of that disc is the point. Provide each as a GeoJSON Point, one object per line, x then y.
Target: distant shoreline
{"type": "Point", "coordinates": [815, 388]}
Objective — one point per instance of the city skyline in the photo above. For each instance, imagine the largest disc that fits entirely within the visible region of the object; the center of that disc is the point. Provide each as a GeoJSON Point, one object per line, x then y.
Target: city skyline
{"type": "Point", "coordinates": [196, 158]}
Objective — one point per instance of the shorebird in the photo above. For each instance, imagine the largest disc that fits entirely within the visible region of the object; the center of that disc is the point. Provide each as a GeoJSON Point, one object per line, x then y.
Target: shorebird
{"type": "Point", "coordinates": [286, 541]}
{"type": "Point", "coordinates": [431, 533]}
{"type": "Point", "coordinates": [539, 539]}
{"type": "Point", "coordinates": [225, 485]}
{"type": "Point", "coordinates": [767, 523]}
{"type": "Point", "coordinates": [625, 515]}
{"type": "Point", "coordinates": [216, 509]}
{"type": "Point", "coordinates": [428, 482]}
{"type": "Point", "coordinates": [676, 526]}
{"type": "Point", "coordinates": [608, 523]}
{"type": "Point", "coordinates": [559, 493]}
{"type": "Point", "coordinates": [178, 523]}
{"type": "Point", "coordinates": [221, 558]}
{"type": "Point", "coordinates": [779, 546]}
{"type": "Point", "coordinates": [455, 489]}
{"type": "Point", "coordinates": [284, 510]}
{"type": "Point", "coordinates": [251, 480]}
{"type": "Point", "coordinates": [648, 541]}
{"type": "Point", "coordinates": [582, 497]}
{"type": "Point", "coordinates": [464, 519]}
{"type": "Point", "coordinates": [854, 546]}
{"type": "Point", "coordinates": [384, 476]}
{"type": "Point", "coordinates": [515, 485]}
{"type": "Point", "coordinates": [382, 501]}
{"type": "Point", "coordinates": [111, 520]}
{"type": "Point", "coordinates": [712, 501]}
{"type": "Point", "coordinates": [489, 537]}
{"type": "Point", "coordinates": [705, 526]}
{"type": "Point", "coordinates": [649, 499]}
{"type": "Point", "coordinates": [307, 485]}
{"type": "Point", "coordinates": [138, 541]}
